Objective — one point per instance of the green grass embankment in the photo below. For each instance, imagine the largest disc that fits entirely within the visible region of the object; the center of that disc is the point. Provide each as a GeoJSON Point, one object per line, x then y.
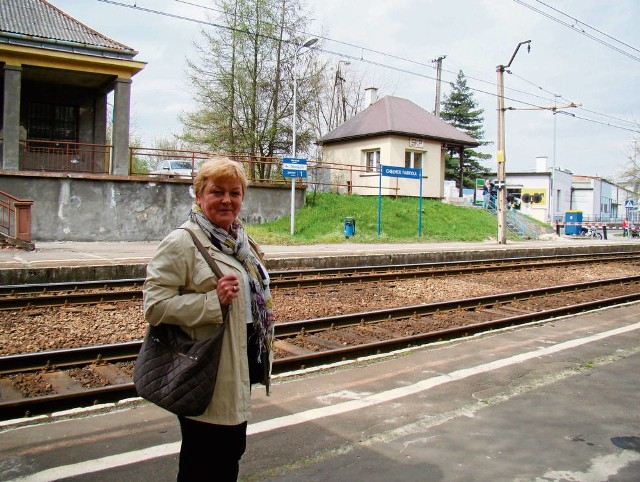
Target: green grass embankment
{"type": "Point", "coordinates": [321, 220]}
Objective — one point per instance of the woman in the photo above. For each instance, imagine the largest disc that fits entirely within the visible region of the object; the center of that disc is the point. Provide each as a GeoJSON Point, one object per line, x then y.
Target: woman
{"type": "Point", "coordinates": [181, 289]}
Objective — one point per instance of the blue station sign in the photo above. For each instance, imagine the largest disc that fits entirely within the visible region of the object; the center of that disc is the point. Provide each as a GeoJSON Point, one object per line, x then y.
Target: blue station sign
{"type": "Point", "coordinates": [294, 167]}
{"type": "Point", "coordinates": [395, 171]}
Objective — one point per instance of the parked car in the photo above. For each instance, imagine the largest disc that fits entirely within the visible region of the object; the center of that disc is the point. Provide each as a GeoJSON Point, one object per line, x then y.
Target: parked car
{"type": "Point", "coordinates": [175, 168]}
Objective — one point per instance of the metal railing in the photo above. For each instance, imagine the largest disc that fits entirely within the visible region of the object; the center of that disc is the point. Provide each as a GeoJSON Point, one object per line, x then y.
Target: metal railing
{"type": "Point", "coordinates": [516, 222]}
{"type": "Point", "coordinates": [60, 156]}
{"type": "Point", "coordinates": [321, 176]}
{"type": "Point", "coordinates": [15, 218]}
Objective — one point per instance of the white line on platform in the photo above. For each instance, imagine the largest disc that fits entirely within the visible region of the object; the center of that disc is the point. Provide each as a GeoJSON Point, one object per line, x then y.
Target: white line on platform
{"type": "Point", "coordinates": [137, 456]}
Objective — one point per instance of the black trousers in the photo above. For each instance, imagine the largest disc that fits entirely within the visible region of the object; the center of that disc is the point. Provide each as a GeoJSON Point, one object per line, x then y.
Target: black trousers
{"type": "Point", "coordinates": [209, 451]}
{"type": "Point", "coordinates": [256, 370]}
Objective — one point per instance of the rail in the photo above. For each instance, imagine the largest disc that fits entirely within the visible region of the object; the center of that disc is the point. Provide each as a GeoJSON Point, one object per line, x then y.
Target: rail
{"type": "Point", "coordinates": [491, 312]}
{"type": "Point", "coordinates": [16, 297]}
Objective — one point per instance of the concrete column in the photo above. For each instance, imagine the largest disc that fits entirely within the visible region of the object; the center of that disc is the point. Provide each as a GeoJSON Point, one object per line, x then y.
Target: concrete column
{"type": "Point", "coordinates": [100, 120]}
{"type": "Point", "coordinates": [11, 118]}
{"type": "Point", "coordinates": [121, 106]}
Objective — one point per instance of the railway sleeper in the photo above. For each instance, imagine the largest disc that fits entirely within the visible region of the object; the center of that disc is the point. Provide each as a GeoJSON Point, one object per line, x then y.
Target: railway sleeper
{"type": "Point", "coordinates": [328, 344]}
{"type": "Point", "coordinates": [290, 348]}
{"type": "Point", "coordinates": [8, 391]}
{"type": "Point", "coordinates": [112, 374]}
{"type": "Point", "coordinates": [61, 382]}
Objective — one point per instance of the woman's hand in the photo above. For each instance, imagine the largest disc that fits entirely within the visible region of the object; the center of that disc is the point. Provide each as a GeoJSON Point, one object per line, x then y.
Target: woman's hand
{"type": "Point", "coordinates": [228, 288]}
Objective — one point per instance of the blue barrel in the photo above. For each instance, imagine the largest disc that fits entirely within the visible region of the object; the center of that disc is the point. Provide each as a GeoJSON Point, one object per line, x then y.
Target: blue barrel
{"type": "Point", "coordinates": [349, 226]}
{"type": "Point", "coordinates": [573, 217]}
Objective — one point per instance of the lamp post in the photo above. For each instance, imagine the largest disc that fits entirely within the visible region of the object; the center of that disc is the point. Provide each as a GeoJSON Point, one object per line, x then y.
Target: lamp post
{"type": "Point", "coordinates": [500, 154]}
{"type": "Point", "coordinates": [307, 43]}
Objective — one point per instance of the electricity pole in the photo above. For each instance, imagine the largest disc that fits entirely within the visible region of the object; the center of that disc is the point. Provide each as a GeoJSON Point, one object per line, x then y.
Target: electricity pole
{"type": "Point", "coordinates": [500, 154]}
{"type": "Point", "coordinates": [438, 61]}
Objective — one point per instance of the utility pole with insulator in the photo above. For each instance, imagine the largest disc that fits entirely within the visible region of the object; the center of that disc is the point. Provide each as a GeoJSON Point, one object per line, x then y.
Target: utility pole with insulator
{"type": "Point", "coordinates": [438, 61]}
{"type": "Point", "coordinates": [501, 157]}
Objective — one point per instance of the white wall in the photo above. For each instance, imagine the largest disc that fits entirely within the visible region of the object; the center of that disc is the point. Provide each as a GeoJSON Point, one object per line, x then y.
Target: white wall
{"type": "Point", "coordinates": [392, 153]}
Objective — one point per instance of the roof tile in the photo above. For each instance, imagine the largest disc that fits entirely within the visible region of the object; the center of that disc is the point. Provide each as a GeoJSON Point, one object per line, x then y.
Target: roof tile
{"type": "Point", "coordinates": [39, 21]}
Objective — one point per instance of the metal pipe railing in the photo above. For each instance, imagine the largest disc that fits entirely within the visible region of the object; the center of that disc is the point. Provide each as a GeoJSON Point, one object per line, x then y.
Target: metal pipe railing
{"type": "Point", "coordinates": [15, 217]}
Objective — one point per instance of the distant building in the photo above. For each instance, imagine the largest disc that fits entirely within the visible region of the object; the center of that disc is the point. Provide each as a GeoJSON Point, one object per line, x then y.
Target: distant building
{"type": "Point", "coordinates": [55, 76]}
{"type": "Point", "coordinates": [601, 200]}
{"type": "Point", "coordinates": [394, 132]}
{"type": "Point", "coordinates": [550, 190]}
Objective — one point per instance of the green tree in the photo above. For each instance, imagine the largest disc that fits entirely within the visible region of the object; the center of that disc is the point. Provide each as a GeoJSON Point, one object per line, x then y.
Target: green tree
{"type": "Point", "coordinates": [243, 81]}
{"type": "Point", "coordinates": [461, 110]}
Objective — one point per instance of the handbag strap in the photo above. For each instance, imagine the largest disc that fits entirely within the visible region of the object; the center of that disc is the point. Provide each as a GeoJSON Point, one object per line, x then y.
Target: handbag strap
{"type": "Point", "coordinates": [212, 262]}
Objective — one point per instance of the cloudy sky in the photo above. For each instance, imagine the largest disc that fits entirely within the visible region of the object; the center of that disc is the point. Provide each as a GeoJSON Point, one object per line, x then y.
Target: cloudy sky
{"type": "Point", "coordinates": [582, 51]}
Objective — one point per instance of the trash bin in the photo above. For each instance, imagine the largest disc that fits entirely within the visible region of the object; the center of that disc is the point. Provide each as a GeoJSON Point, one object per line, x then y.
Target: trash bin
{"type": "Point", "coordinates": [573, 217]}
{"type": "Point", "coordinates": [349, 226]}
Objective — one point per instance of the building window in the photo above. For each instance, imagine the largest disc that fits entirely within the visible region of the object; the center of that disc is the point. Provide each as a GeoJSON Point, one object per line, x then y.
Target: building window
{"type": "Point", "coordinates": [372, 160]}
{"type": "Point", "coordinates": [413, 159]}
{"type": "Point", "coordinates": [52, 122]}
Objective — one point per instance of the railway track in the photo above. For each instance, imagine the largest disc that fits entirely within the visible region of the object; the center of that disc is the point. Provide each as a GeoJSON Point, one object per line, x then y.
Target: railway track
{"type": "Point", "coordinates": [313, 342]}
{"type": "Point", "coordinates": [94, 292]}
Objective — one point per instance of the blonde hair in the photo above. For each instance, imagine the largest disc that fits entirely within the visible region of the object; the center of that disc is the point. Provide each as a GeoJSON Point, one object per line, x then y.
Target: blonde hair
{"type": "Point", "coordinates": [219, 169]}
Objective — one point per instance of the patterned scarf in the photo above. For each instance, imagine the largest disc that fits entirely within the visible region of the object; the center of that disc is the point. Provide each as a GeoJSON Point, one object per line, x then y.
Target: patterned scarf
{"type": "Point", "coordinates": [237, 245]}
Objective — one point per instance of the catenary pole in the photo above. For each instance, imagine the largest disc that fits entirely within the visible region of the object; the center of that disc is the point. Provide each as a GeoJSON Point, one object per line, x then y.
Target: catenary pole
{"type": "Point", "coordinates": [500, 154]}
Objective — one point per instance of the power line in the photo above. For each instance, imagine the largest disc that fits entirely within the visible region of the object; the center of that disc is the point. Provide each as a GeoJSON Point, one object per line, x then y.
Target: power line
{"type": "Point", "coordinates": [567, 100]}
{"type": "Point", "coordinates": [363, 59]}
{"type": "Point", "coordinates": [589, 26]}
{"type": "Point", "coordinates": [580, 31]}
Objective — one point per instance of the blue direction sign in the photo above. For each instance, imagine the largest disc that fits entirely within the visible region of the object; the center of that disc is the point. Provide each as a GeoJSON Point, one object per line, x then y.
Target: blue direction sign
{"type": "Point", "coordinates": [395, 171]}
{"type": "Point", "coordinates": [294, 167]}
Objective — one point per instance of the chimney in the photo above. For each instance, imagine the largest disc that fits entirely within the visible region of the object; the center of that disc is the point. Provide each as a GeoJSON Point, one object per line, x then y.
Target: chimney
{"type": "Point", "coordinates": [541, 164]}
{"type": "Point", "coordinates": [370, 95]}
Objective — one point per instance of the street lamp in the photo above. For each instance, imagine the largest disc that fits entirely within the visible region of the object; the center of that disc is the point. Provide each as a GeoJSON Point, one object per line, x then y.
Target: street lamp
{"type": "Point", "coordinates": [306, 44]}
{"type": "Point", "coordinates": [500, 154]}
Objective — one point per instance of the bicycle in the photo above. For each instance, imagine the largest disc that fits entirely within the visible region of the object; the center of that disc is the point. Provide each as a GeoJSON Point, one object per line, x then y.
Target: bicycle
{"type": "Point", "coordinates": [591, 232]}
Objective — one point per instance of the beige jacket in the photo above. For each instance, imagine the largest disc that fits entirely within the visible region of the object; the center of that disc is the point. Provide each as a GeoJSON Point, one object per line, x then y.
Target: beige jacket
{"type": "Point", "coordinates": [180, 289]}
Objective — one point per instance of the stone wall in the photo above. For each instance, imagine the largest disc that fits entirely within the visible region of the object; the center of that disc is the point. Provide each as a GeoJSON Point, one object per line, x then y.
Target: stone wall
{"type": "Point", "coordinates": [112, 208]}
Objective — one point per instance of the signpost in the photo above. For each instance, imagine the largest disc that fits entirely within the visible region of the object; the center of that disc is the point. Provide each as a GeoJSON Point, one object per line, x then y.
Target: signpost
{"type": "Point", "coordinates": [294, 168]}
{"type": "Point", "coordinates": [629, 207]}
{"type": "Point", "coordinates": [479, 197]}
{"type": "Point", "coordinates": [406, 172]}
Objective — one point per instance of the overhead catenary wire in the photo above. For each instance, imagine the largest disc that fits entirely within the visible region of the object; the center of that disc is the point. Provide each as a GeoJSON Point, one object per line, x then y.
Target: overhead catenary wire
{"type": "Point", "coordinates": [369, 61]}
{"type": "Point", "coordinates": [573, 27]}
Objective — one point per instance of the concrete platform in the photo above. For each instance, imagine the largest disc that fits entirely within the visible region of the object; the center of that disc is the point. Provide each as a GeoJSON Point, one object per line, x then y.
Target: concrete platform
{"type": "Point", "coordinates": [553, 401]}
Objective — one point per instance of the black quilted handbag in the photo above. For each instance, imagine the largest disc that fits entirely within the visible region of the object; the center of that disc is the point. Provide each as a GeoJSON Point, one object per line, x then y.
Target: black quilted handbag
{"type": "Point", "coordinates": [175, 372]}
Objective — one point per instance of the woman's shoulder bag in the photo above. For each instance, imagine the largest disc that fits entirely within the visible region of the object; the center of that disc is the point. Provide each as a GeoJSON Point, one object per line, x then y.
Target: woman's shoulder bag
{"type": "Point", "coordinates": [175, 372]}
